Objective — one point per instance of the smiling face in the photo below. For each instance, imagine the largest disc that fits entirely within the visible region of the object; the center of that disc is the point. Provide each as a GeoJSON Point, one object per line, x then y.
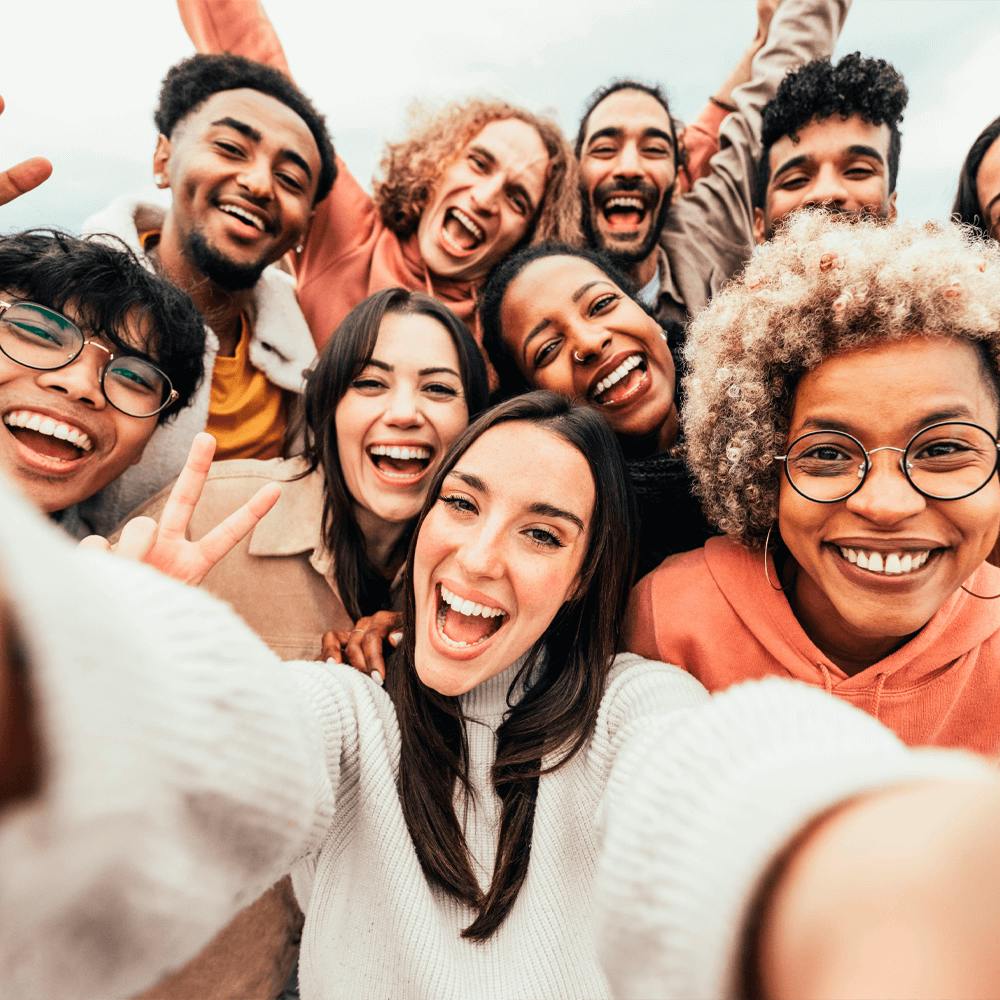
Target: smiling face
{"type": "Point", "coordinates": [242, 168]}
{"type": "Point", "coordinates": [484, 202]}
{"type": "Point", "coordinates": [627, 170]}
{"type": "Point", "coordinates": [498, 554]}
{"type": "Point", "coordinates": [399, 416]}
{"type": "Point", "coordinates": [842, 164]}
{"type": "Point", "coordinates": [572, 330]}
{"type": "Point", "coordinates": [988, 189]}
{"type": "Point", "coordinates": [906, 386]}
{"type": "Point", "coordinates": [61, 440]}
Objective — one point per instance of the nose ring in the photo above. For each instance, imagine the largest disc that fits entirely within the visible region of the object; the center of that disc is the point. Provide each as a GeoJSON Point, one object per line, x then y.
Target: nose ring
{"type": "Point", "coordinates": [578, 358]}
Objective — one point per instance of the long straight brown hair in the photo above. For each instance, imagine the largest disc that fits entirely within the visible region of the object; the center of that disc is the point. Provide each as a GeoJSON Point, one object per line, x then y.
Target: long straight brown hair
{"type": "Point", "coordinates": [564, 676]}
{"type": "Point", "coordinates": [362, 588]}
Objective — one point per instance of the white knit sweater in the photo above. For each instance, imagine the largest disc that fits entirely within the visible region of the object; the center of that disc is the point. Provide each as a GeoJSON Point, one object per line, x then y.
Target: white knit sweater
{"type": "Point", "coordinates": [187, 768]}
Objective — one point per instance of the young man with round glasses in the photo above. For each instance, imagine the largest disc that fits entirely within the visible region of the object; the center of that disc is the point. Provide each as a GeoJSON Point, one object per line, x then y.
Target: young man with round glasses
{"type": "Point", "coordinates": [841, 419]}
{"type": "Point", "coordinates": [96, 352]}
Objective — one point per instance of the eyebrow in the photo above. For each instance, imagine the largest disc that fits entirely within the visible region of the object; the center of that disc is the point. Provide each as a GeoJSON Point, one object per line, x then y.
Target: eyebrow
{"type": "Point", "coordinates": [436, 370]}
{"type": "Point", "coordinates": [545, 509]}
{"type": "Point", "coordinates": [255, 136]}
{"type": "Point", "coordinates": [540, 326]}
{"type": "Point", "coordinates": [616, 132]}
{"type": "Point", "coordinates": [957, 412]}
{"type": "Point", "coordinates": [802, 158]}
{"type": "Point", "coordinates": [515, 185]}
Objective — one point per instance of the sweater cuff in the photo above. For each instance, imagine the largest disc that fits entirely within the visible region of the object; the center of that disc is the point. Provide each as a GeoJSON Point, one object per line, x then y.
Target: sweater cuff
{"type": "Point", "coordinates": [712, 807]}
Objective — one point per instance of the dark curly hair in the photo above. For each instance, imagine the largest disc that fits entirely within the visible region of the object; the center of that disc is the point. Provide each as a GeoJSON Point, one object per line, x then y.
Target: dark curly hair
{"type": "Point", "coordinates": [612, 87]}
{"type": "Point", "coordinates": [192, 82]}
{"type": "Point", "coordinates": [103, 285]}
{"type": "Point", "coordinates": [510, 380]}
{"type": "Point", "coordinates": [870, 88]}
{"type": "Point", "coordinates": [967, 208]}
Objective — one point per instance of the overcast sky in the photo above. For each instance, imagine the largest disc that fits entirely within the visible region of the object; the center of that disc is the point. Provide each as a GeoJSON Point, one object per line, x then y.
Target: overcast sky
{"type": "Point", "coordinates": [80, 79]}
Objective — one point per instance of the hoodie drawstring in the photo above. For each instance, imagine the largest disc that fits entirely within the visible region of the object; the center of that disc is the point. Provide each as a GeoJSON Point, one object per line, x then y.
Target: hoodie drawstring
{"type": "Point", "coordinates": [877, 701]}
{"type": "Point", "coordinates": [827, 679]}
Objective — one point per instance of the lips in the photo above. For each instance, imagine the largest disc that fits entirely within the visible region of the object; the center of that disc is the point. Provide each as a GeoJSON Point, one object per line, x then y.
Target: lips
{"type": "Point", "coordinates": [250, 216]}
{"type": "Point", "coordinates": [620, 380]}
{"type": "Point", "coordinates": [53, 440]}
{"type": "Point", "coordinates": [625, 210]}
{"type": "Point", "coordinates": [401, 464]}
{"type": "Point", "coordinates": [463, 623]}
{"type": "Point", "coordinates": [460, 233]}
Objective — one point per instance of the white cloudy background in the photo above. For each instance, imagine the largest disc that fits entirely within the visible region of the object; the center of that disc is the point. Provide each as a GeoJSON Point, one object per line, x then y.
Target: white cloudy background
{"type": "Point", "coordinates": [80, 79]}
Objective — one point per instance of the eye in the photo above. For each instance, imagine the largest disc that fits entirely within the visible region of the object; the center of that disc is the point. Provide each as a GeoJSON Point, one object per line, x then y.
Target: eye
{"type": "Point", "coordinates": [602, 149]}
{"type": "Point", "coordinates": [458, 504]}
{"type": "Point", "coordinates": [478, 162]}
{"type": "Point", "coordinates": [656, 150]}
{"type": "Point", "coordinates": [544, 538]}
{"type": "Point", "coordinates": [547, 352]}
{"type": "Point", "coordinates": [291, 182]}
{"type": "Point", "coordinates": [859, 171]}
{"type": "Point", "coordinates": [368, 384]}
{"type": "Point", "coordinates": [230, 148]}
{"type": "Point", "coordinates": [602, 303]}
{"type": "Point", "coordinates": [519, 204]}
{"type": "Point", "coordinates": [794, 182]}
{"type": "Point", "coordinates": [441, 389]}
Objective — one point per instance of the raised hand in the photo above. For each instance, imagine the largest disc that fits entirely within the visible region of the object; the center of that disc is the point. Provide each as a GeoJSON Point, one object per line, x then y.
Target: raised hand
{"type": "Point", "coordinates": [166, 545]}
{"type": "Point", "coordinates": [362, 646]}
{"type": "Point", "coordinates": [22, 177]}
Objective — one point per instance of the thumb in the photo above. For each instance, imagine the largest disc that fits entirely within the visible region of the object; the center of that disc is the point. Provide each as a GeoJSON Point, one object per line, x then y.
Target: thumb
{"type": "Point", "coordinates": [137, 538]}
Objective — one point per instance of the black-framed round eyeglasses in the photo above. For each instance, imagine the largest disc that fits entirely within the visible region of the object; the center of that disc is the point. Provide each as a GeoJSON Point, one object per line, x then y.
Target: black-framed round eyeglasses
{"type": "Point", "coordinates": [40, 338]}
{"type": "Point", "coordinates": [950, 460]}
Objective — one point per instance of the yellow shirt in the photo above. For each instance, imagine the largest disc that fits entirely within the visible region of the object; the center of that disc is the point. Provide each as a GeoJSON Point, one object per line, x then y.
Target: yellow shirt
{"type": "Point", "coordinates": [247, 413]}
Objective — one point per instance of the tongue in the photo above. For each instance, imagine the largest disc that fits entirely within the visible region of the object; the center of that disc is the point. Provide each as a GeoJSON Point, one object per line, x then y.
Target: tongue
{"type": "Point", "coordinates": [621, 389]}
{"type": "Point", "coordinates": [459, 233]}
{"type": "Point", "coordinates": [467, 628]}
{"type": "Point", "coordinates": [401, 466]}
{"type": "Point", "coordinates": [619, 219]}
{"type": "Point", "coordinates": [49, 446]}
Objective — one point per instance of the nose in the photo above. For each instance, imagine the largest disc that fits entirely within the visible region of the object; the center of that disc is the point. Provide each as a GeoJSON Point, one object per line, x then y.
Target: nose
{"type": "Point", "coordinates": [255, 178]}
{"type": "Point", "coordinates": [80, 380]}
{"type": "Point", "coordinates": [485, 193]}
{"type": "Point", "coordinates": [589, 343]}
{"type": "Point", "coordinates": [628, 162]}
{"type": "Point", "coordinates": [403, 407]}
{"type": "Point", "coordinates": [828, 188]}
{"type": "Point", "coordinates": [480, 554]}
{"type": "Point", "coordinates": [886, 496]}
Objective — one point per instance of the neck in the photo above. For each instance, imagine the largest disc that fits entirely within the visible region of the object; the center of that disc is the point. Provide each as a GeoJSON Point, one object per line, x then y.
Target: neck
{"type": "Point", "coordinates": [657, 441]}
{"type": "Point", "coordinates": [221, 309]}
{"type": "Point", "coordinates": [642, 273]}
{"type": "Point", "coordinates": [382, 540]}
{"type": "Point", "coordinates": [838, 640]}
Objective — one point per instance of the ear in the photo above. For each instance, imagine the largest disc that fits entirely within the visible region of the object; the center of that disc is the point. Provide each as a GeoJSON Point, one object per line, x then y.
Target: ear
{"type": "Point", "coordinates": [891, 214]}
{"type": "Point", "coordinates": [161, 162]}
{"type": "Point", "coordinates": [758, 226]}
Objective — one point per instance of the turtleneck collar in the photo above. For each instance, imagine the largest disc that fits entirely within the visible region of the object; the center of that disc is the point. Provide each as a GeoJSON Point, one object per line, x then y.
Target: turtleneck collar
{"type": "Point", "coordinates": [487, 702]}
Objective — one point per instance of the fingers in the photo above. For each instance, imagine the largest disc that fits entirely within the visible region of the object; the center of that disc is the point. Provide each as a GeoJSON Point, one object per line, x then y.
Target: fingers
{"type": "Point", "coordinates": [98, 543]}
{"type": "Point", "coordinates": [330, 646]}
{"type": "Point", "coordinates": [23, 177]}
{"type": "Point", "coordinates": [184, 496]}
{"type": "Point", "coordinates": [225, 535]}
{"type": "Point", "coordinates": [137, 538]}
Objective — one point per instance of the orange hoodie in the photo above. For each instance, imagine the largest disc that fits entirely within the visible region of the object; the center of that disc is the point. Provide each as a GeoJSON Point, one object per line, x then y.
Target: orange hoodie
{"type": "Point", "coordinates": [350, 253]}
{"type": "Point", "coordinates": [712, 612]}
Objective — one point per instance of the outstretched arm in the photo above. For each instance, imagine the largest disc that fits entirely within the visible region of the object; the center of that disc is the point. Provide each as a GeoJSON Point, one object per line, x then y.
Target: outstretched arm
{"type": "Point", "coordinates": [238, 26]}
{"type": "Point", "coordinates": [22, 177]}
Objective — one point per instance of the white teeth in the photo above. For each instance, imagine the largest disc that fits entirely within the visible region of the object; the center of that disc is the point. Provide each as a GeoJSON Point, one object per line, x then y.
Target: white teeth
{"type": "Point", "coordinates": [243, 214]}
{"type": "Point", "coordinates": [394, 451]}
{"type": "Point", "coordinates": [32, 421]}
{"type": "Point", "coordinates": [888, 564]}
{"type": "Point", "coordinates": [470, 224]}
{"type": "Point", "coordinates": [617, 375]}
{"type": "Point", "coordinates": [466, 607]}
{"type": "Point", "coordinates": [620, 201]}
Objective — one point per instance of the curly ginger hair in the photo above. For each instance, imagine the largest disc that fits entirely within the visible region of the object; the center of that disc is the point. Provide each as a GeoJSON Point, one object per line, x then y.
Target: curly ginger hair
{"type": "Point", "coordinates": [410, 169]}
{"type": "Point", "coordinates": [824, 285]}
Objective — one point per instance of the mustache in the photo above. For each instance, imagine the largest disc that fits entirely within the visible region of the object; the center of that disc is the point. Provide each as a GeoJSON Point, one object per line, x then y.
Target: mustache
{"type": "Point", "coordinates": [630, 185]}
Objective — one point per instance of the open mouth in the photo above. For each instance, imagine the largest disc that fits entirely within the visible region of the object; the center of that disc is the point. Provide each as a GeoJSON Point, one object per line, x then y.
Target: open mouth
{"type": "Point", "coordinates": [899, 563]}
{"type": "Point", "coordinates": [403, 463]}
{"type": "Point", "coordinates": [249, 218]}
{"type": "Point", "coordinates": [464, 624]}
{"type": "Point", "coordinates": [620, 385]}
{"type": "Point", "coordinates": [50, 438]}
{"type": "Point", "coordinates": [624, 213]}
{"type": "Point", "coordinates": [461, 233]}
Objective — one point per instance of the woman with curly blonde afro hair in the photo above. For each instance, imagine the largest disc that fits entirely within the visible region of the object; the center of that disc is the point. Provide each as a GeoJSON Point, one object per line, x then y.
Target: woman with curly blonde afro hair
{"type": "Point", "coordinates": [470, 184]}
{"type": "Point", "coordinates": [841, 418]}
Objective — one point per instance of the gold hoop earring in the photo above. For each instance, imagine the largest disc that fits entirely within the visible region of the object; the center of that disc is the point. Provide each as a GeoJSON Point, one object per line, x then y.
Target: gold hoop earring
{"type": "Point", "coordinates": [979, 597]}
{"type": "Point", "coordinates": [767, 575]}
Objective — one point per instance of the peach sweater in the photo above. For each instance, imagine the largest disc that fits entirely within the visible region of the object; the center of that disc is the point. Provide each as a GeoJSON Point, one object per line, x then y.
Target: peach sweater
{"type": "Point", "coordinates": [712, 612]}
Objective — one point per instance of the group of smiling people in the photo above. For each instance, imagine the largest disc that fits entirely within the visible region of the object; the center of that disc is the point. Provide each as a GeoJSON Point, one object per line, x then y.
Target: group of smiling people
{"type": "Point", "coordinates": [544, 776]}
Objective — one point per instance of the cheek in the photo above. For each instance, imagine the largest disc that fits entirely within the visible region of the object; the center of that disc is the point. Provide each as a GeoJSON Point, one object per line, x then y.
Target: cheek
{"type": "Point", "coordinates": [450, 422]}
{"type": "Point", "coordinates": [432, 545]}
{"type": "Point", "coordinates": [799, 521]}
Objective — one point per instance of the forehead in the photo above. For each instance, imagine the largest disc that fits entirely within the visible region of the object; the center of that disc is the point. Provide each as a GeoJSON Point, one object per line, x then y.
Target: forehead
{"type": "Point", "coordinates": [516, 146]}
{"type": "Point", "coordinates": [277, 123]}
{"type": "Point", "coordinates": [903, 382]}
{"type": "Point", "coordinates": [414, 340]}
{"type": "Point", "coordinates": [557, 474]}
{"type": "Point", "coordinates": [830, 138]}
{"type": "Point", "coordinates": [549, 284]}
{"type": "Point", "coordinates": [631, 110]}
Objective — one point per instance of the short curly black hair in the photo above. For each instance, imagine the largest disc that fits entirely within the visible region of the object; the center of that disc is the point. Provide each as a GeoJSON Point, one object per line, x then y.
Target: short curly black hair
{"type": "Point", "coordinates": [104, 286]}
{"type": "Point", "coordinates": [612, 87]}
{"type": "Point", "coordinates": [191, 82]}
{"type": "Point", "coordinates": [871, 88]}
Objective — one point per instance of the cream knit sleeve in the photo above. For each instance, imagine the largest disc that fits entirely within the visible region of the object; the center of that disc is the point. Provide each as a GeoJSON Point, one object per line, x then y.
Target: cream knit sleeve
{"type": "Point", "coordinates": [185, 768]}
{"type": "Point", "coordinates": [700, 801]}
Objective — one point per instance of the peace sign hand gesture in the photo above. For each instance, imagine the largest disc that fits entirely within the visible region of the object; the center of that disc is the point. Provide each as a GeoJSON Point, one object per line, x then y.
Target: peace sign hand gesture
{"type": "Point", "coordinates": [166, 545]}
